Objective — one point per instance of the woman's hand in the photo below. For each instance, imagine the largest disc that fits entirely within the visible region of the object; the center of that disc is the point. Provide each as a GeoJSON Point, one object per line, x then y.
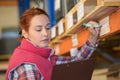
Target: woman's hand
{"type": "Point", "coordinates": [94, 31]}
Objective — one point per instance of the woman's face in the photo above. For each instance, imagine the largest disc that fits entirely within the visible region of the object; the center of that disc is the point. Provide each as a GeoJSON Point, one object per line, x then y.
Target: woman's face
{"type": "Point", "coordinates": [39, 30]}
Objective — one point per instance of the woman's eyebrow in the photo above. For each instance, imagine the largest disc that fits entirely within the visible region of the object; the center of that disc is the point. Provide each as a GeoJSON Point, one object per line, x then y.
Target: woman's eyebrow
{"type": "Point", "coordinates": [47, 24]}
{"type": "Point", "coordinates": [42, 26]}
{"type": "Point", "coordinates": [39, 26]}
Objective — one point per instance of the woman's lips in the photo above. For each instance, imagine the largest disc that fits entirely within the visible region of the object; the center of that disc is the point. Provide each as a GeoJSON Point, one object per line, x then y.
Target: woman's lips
{"type": "Point", "coordinates": [45, 40]}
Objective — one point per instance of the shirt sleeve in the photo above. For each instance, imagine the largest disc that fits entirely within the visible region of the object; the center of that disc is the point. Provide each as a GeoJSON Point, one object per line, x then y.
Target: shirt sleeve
{"type": "Point", "coordinates": [83, 54]}
{"type": "Point", "coordinates": [25, 72]}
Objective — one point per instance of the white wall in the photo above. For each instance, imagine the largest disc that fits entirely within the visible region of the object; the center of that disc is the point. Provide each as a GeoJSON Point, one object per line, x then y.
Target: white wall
{"type": "Point", "coordinates": [8, 17]}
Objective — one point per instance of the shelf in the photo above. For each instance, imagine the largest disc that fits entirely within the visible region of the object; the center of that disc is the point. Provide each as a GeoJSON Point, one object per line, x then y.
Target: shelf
{"type": "Point", "coordinates": [4, 65]}
{"type": "Point", "coordinates": [93, 10]}
{"type": "Point", "coordinates": [4, 57]}
{"type": "Point", "coordinates": [8, 3]}
{"type": "Point", "coordinates": [109, 2]}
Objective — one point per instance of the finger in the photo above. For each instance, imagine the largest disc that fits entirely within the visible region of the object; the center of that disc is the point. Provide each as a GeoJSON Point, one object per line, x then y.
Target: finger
{"type": "Point", "coordinates": [92, 24]}
{"type": "Point", "coordinates": [98, 28]}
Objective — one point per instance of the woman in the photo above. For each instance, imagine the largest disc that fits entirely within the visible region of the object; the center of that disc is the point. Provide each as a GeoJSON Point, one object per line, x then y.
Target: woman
{"type": "Point", "coordinates": [33, 59]}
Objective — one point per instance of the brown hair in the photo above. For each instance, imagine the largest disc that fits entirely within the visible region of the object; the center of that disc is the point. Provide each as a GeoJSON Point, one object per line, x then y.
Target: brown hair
{"type": "Point", "coordinates": [26, 18]}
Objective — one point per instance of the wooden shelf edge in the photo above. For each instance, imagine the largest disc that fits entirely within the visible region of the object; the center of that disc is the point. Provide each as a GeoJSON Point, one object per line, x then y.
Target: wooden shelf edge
{"type": "Point", "coordinates": [5, 56]}
{"type": "Point", "coordinates": [109, 2]}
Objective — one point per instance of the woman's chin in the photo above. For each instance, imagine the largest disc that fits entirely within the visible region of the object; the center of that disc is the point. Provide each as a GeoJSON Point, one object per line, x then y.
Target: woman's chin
{"type": "Point", "coordinates": [43, 45]}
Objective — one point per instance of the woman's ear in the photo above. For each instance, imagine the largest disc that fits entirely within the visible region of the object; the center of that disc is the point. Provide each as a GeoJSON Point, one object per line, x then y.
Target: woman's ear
{"type": "Point", "coordinates": [24, 34]}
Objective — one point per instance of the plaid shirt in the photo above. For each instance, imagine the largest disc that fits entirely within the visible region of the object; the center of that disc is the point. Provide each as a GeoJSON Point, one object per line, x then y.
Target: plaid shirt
{"type": "Point", "coordinates": [28, 71]}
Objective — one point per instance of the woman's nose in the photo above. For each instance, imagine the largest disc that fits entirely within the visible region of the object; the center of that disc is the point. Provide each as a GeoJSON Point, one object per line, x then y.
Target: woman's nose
{"type": "Point", "coordinates": [44, 32]}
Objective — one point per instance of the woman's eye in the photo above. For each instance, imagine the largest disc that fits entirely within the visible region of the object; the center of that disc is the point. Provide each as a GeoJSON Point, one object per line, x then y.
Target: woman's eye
{"type": "Point", "coordinates": [38, 29]}
{"type": "Point", "coordinates": [48, 28]}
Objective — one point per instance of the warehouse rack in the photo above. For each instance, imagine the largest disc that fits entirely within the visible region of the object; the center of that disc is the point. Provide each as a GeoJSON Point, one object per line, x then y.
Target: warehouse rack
{"type": "Point", "coordinates": [70, 25]}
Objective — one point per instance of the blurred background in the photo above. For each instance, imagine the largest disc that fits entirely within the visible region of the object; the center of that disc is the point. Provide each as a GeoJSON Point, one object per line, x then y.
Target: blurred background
{"type": "Point", "coordinates": [107, 53]}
